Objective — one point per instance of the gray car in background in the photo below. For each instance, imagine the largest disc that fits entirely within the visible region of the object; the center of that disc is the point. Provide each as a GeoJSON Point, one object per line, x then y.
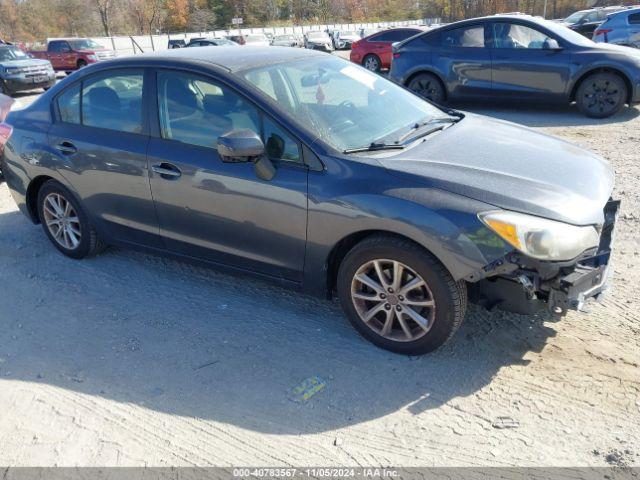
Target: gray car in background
{"type": "Point", "coordinates": [19, 71]}
{"type": "Point", "coordinates": [621, 28]}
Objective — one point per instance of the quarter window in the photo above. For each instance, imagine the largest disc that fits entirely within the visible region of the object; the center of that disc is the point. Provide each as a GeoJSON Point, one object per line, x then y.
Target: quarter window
{"type": "Point", "coordinates": [69, 105]}
{"type": "Point", "coordinates": [197, 111]}
{"type": "Point", "coordinates": [113, 102]}
{"type": "Point", "coordinates": [512, 35]}
{"type": "Point", "coordinates": [469, 37]}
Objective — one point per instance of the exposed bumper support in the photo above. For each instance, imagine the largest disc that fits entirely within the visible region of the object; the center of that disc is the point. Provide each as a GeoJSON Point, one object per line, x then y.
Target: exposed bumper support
{"type": "Point", "coordinates": [521, 286]}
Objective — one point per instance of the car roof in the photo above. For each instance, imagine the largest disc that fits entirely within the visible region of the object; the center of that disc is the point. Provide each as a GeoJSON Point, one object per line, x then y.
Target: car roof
{"type": "Point", "coordinates": [225, 57]}
{"type": "Point", "coordinates": [504, 16]}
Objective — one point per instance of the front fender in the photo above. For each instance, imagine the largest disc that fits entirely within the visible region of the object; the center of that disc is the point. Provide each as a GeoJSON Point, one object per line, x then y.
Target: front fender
{"type": "Point", "coordinates": [443, 223]}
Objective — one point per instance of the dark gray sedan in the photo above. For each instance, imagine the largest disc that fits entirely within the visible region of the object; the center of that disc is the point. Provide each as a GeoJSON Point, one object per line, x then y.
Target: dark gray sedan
{"type": "Point", "coordinates": [317, 174]}
{"type": "Point", "coordinates": [518, 57]}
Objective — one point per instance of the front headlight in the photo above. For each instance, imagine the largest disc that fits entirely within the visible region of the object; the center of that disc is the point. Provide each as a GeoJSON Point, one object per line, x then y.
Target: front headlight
{"type": "Point", "coordinates": [541, 238]}
{"type": "Point", "coordinates": [92, 57]}
{"type": "Point", "coordinates": [13, 71]}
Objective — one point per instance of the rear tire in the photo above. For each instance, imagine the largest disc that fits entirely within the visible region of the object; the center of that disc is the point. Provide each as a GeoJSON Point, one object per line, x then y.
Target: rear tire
{"type": "Point", "coordinates": [413, 309]}
{"type": "Point", "coordinates": [601, 95]}
{"type": "Point", "coordinates": [372, 62]}
{"type": "Point", "coordinates": [65, 222]}
{"type": "Point", "coordinates": [428, 86]}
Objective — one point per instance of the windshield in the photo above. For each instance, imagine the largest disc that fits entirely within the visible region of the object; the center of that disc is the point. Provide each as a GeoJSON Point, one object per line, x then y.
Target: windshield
{"type": "Point", "coordinates": [348, 33]}
{"type": "Point", "coordinates": [12, 53]}
{"type": "Point", "coordinates": [345, 105]}
{"type": "Point", "coordinates": [284, 37]}
{"type": "Point", "coordinates": [574, 17]}
{"type": "Point", "coordinates": [85, 45]}
{"type": "Point", "coordinates": [568, 34]}
{"type": "Point", "coordinates": [317, 35]}
{"type": "Point", "coordinates": [223, 41]}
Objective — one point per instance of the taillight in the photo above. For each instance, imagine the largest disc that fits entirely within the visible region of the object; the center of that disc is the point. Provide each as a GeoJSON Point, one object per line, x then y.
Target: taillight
{"type": "Point", "coordinates": [5, 132]}
{"type": "Point", "coordinates": [603, 31]}
{"type": "Point", "coordinates": [5, 129]}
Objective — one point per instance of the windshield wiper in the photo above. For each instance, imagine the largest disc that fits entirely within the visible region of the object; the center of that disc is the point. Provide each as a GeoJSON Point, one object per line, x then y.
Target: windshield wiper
{"type": "Point", "coordinates": [438, 122]}
{"type": "Point", "coordinates": [373, 147]}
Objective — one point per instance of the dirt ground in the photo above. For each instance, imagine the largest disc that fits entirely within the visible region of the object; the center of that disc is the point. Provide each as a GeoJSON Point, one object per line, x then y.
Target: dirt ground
{"type": "Point", "coordinates": [131, 359]}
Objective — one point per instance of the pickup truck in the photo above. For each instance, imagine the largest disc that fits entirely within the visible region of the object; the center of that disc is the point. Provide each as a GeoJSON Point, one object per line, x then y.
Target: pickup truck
{"type": "Point", "coordinates": [69, 54]}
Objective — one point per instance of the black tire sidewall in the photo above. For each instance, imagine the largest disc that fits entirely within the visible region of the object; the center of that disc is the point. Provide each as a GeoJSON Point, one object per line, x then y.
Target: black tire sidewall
{"type": "Point", "coordinates": [436, 81]}
{"type": "Point", "coordinates": [612, 77]}
{"type": "Point", "coordinates": [86, 230]}
{"type": "Point", "coordinates": [426, 267]}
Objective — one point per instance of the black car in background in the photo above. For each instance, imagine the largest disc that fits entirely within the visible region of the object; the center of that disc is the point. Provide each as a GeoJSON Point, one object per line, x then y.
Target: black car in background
{"type": "Point", "coordinates": [176, 43]}
{"type": "Point", "coordinates": [211, 42]}
{"type": "Point", "coordinates": [585, 22]}
{"type": "Point", "coordinates": [518, 57]}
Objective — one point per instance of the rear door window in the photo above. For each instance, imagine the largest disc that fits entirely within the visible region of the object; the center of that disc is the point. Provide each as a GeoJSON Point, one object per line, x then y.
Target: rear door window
{"type": "Point", "coordinates": [466, 37]}
{"type": "Point", "coordinates": [113, 101]}
{"type": "Point", "coordinates": [634, 19]}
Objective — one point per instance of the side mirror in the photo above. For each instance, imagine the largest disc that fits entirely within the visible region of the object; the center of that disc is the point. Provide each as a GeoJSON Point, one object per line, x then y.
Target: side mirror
{"type": "Point", "coordinates": [246, 146]}
{"type": "Point", "coordinates": [240, 146]}
{"type": "Point", "coordinates": [552, 44]}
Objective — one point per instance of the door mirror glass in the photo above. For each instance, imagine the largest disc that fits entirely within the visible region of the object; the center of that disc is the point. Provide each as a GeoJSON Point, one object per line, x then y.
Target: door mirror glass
{"type": "Point", "coordinates": [240, 146]}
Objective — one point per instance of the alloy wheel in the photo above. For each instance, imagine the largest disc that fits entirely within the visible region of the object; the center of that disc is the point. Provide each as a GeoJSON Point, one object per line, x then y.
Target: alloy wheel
{"type": "Point", "coordinates": [393, 300]}
{"type": "Point", "coordinates": [372, 63]}
{"type": "Point", "coordinates": [62, 221]}
{"type": "Point", "coordinates": [601, 97]}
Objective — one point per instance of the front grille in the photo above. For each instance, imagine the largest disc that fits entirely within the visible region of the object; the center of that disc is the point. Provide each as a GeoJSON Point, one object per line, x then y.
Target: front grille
{"type": "Point", "coordinates": [36, 70]}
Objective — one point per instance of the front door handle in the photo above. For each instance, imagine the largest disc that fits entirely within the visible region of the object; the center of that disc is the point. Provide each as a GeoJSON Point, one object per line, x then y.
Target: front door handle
{"type": "Point", "coordinates": [167, 171]}
{"type": "Point", "coordinates": [66, 148]}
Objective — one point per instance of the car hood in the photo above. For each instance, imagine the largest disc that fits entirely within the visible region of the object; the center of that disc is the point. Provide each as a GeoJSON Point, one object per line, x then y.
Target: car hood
{"type": "Point", "coordinates": [511, 167]}
{"type": "Point", "coordinates": [350, 38]}
{"type": "Point", "coordinates": [28, 62]}
{"type": "Point", "coordinates": [612, 48]}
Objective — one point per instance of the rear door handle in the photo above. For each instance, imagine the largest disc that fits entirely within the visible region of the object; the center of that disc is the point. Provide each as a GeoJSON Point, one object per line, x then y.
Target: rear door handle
{"type": "Point", "coordinates": [167, 171]}
{"type": "Point", "coordinates": [66, 148]}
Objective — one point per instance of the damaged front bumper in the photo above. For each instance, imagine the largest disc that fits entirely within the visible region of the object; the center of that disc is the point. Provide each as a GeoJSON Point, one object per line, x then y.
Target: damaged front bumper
{"type": "Point", "coordinates": [522, 285]}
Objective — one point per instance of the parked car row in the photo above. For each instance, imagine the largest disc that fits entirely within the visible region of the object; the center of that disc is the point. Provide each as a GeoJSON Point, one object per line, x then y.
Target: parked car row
{"type": "Point", "coordinates": [511, 57]}
{"type": "Point", "coordinates": [621, 28]}
{"type": "Point", "coordinates": [585, 22]}
{"type": "Point", "coordinates": [27, 70]}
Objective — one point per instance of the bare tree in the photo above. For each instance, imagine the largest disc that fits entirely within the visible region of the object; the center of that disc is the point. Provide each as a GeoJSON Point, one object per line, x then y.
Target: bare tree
{"type": "Point", "coordinates": [104, 10]}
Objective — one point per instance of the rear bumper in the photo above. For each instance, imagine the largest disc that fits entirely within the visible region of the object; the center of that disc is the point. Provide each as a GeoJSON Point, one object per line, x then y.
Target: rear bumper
{"type": "Point", "coordinates": [527, 288]}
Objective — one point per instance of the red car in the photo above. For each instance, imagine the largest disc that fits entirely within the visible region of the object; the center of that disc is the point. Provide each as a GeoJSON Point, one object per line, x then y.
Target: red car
{"type": "Point", "coordinates": [374, 52]}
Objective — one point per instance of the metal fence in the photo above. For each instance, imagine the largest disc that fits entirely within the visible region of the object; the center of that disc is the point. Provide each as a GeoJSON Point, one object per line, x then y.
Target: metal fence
{"type": "Point", "coordinates": [130, 45]}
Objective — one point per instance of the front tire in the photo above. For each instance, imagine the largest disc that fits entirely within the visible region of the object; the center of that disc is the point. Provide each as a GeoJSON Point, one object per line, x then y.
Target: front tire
{"type": "Point", "coordinates": [428, 86]}
{"type": "Point", "coordinates": [601, 95]}
{"type": "Point", "coordinates": [400, 297]}
{"type": "Point", "coordinates": [65, 223]}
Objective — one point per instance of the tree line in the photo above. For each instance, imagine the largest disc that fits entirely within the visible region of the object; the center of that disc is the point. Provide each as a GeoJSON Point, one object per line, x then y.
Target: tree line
{"type": "Point", "coordinates": [32, 20]}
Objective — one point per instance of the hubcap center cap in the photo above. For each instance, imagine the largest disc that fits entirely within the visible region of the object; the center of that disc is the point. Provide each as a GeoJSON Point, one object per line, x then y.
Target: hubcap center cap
{"type": "Point", "coordinates": [393, 299]}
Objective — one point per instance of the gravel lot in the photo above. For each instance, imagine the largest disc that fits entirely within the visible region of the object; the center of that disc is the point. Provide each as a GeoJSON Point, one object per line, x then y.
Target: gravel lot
{"type": "Point", "coordinates": [130, 359]}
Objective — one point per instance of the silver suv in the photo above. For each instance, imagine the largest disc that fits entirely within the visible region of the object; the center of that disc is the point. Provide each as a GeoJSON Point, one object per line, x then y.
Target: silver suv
{"type": "Point", "coordinates": [621, 28]}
